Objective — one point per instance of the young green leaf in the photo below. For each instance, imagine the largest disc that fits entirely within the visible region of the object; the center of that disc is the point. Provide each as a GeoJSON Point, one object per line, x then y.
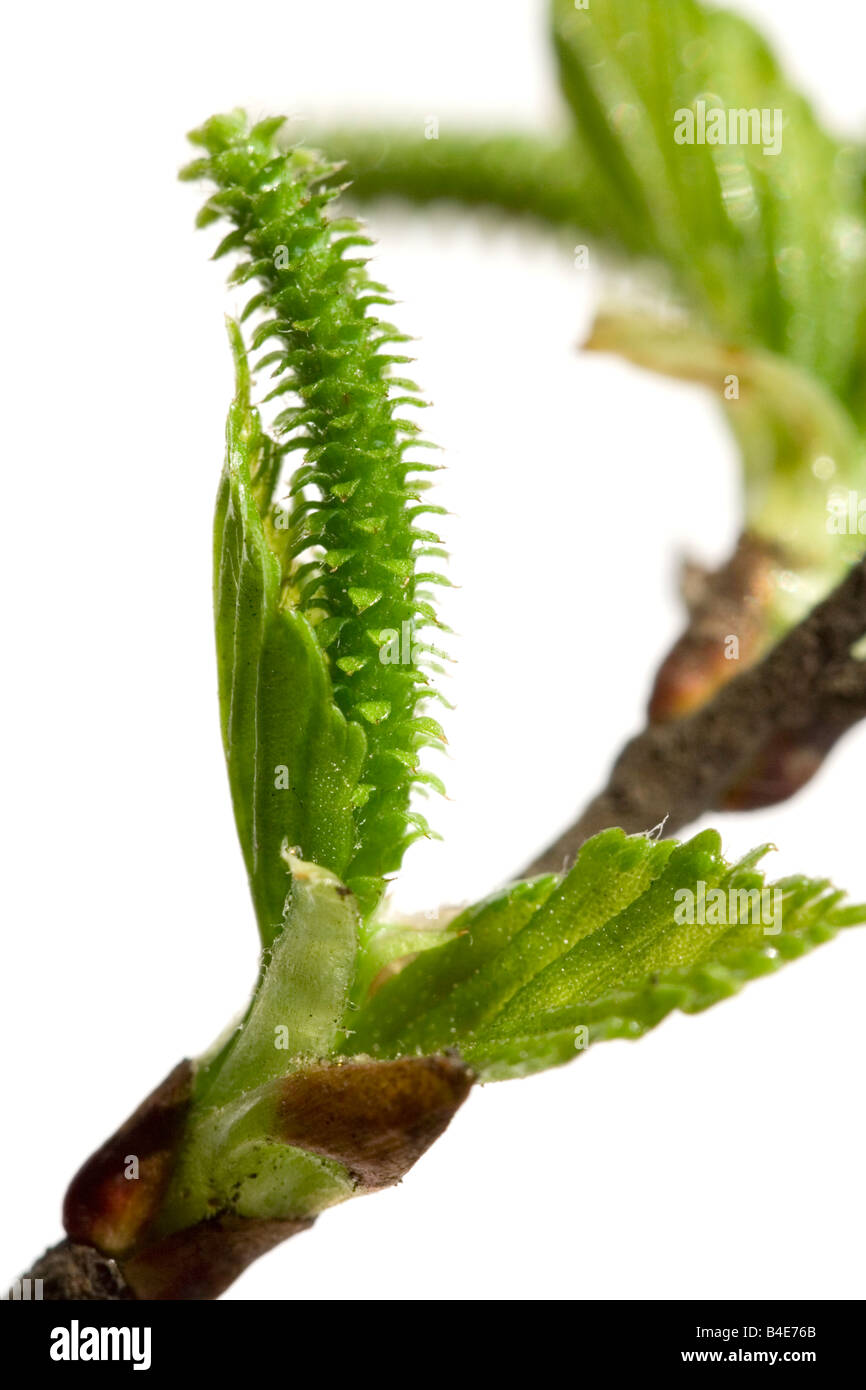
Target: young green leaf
{"type": "Point", "coordinates": [293, 759]}
{"type": "Point", "coordinates": [344, 543]}
{"type": "Point", "coordinates": [519, 1045]}
{"type": "Point", "coordinates": [400, 1014]}
{"type": "Point", "coordinates": [636, 929]}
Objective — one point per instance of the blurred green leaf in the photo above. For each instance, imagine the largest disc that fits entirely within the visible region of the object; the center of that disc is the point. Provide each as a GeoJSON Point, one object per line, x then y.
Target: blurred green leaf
{"type": "Point", "coordinates": [770, 245]}
{"type": "Point", "coordinates": [784, 420]}
{"type": "Point", "coordinates": [539, 176]}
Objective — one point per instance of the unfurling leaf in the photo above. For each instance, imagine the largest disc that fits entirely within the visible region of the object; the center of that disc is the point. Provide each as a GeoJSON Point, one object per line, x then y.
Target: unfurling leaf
{"type": "Point", "coordinates": [276, 701]}
{"type": "Point", "coordinates": [636, 929]}
{"type": "Point", "coordinates": [302, 579]}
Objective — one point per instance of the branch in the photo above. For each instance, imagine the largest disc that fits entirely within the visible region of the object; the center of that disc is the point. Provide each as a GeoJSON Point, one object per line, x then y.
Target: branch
{"type": "Point", "coordinates": [774, 723]}
{"type": "Point", "coordinates": [72, 1272]}
{"type": "Point", "coordinates": [373, 1118]}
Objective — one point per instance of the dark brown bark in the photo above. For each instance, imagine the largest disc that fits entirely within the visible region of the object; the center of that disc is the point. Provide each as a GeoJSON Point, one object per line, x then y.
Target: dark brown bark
{"type": "Point", "coordinates": [735, 599]}
{"type": "Point", "coordinates": [376, 1118]}
{"type": "Point", "coordinates": [72, 1272]}
{"type": "Point", "coordinates": [759, 738]}
{"type": "Point", "coordinates": [200, 1263]}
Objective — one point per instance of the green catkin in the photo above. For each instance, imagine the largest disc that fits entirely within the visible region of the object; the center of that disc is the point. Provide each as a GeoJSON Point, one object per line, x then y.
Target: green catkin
{"type": "Point", "coordinates": [347, 533]}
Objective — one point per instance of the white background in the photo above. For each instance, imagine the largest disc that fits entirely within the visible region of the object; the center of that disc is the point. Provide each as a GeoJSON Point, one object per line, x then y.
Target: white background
{"type": "Point", "coordinates": [723, 1155]}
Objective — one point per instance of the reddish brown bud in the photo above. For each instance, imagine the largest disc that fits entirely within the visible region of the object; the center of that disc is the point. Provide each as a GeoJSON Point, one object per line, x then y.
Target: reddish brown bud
{"type": "Point", "coordinates": [106, 1208]}
{"type": "Point", "coordinates": [202, 1261]}
{"type": "Point", "coordinates": [733, 602]}
{"type": "Point", "coordinates": [376, 1118]}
